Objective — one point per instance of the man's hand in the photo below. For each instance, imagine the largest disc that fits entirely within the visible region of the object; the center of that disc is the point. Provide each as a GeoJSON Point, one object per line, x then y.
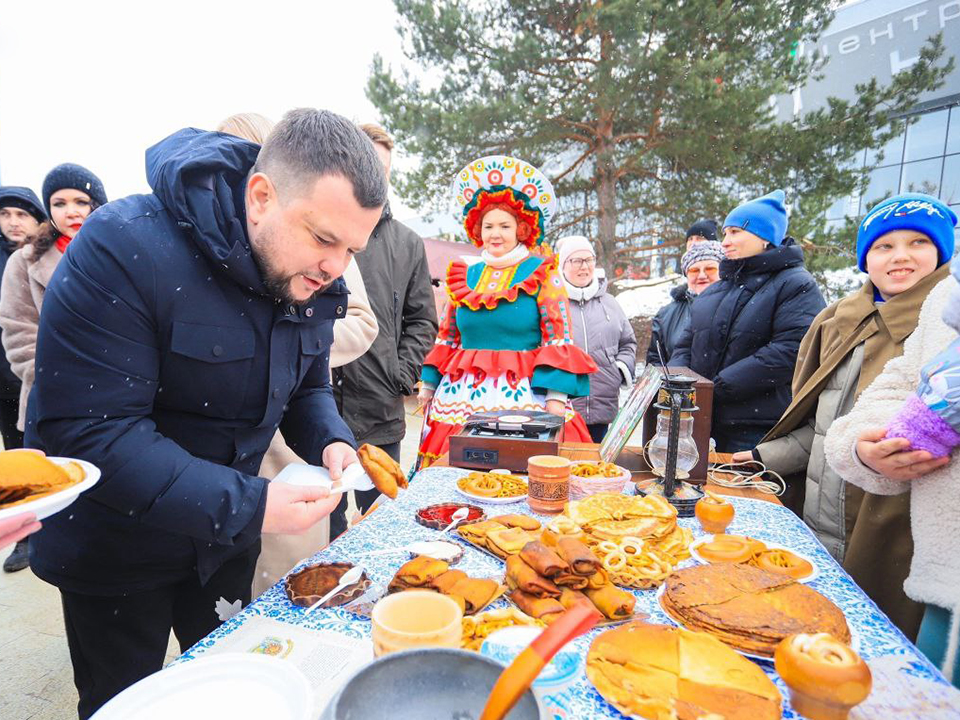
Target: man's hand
{"type": "Point", "coordinates": [336, 456]}
{"type": "Point", "coordinates": [16, 528]}
{"type": "Point", "coordinates": [294, 509]}
{"type": "Point", "coordinates": [744, 456]}
{"type": "Point", "coordinates": [556, 407]}
{"type": "Point", "coordinates": [892, 457]}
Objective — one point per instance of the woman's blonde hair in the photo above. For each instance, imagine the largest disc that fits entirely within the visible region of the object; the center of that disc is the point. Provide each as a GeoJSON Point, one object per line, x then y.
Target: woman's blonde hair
{"type": "Point", "coordinates": [249, 126]}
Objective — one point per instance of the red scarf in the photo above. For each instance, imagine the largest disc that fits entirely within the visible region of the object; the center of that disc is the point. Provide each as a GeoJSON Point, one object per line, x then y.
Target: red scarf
{"type": "Point", "coordinates": [62, 243]}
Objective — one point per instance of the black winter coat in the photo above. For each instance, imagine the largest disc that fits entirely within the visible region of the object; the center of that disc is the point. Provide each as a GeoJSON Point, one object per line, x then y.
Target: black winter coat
{"type": "Point", "coordinates": [369, 391]}
{"type": "Point", "coordinates": [163, 360]}
{"type": "Point", "coordinates": [744, 334]}
{"type": "Point", "coordinates": [670, 323]}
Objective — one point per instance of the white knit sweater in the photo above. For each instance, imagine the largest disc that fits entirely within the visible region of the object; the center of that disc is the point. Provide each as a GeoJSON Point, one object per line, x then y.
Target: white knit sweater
{"type": "Point", "coordinates": [935, 498]}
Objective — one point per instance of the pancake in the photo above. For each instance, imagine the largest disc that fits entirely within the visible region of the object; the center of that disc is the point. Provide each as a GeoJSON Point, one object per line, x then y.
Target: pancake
{"type": "Point", "coordinates": [747, 608]}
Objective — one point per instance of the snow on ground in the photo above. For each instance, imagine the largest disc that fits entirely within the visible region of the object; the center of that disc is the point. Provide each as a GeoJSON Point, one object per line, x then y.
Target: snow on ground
{"type": "Point", "coordinates": [643, 298]}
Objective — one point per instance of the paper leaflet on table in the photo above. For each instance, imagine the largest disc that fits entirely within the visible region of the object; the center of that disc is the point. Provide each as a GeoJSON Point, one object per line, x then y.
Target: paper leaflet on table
{"type": "Point", "coordinates": [327, 659]}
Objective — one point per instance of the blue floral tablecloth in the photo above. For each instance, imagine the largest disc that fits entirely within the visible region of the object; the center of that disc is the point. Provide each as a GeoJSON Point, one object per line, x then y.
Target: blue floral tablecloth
{"type": "Point", "coordinates": [393, 525]}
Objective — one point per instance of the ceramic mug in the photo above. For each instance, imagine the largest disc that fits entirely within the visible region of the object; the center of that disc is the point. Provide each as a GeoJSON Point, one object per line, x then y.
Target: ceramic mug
{"type": "Point", "coordinates": [415, 619]}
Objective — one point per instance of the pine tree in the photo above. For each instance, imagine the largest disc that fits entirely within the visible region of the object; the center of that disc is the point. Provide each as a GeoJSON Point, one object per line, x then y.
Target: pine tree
{"type": "Point", "coordinates": [647, 114]}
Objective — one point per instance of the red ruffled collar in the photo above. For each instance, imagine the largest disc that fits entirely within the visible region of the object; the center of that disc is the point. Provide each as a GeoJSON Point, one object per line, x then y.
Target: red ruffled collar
{"type": "Point", "coordinates": [461, 293]}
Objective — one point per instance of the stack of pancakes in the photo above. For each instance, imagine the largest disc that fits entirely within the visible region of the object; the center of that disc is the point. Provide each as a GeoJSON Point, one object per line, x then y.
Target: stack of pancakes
{"type": "Point", "coordinates": [747, 608]}
{"type": "Point", "coordinates": [659, 672]}
{"type": "Point", "coordinates": [613, 516]}
{"type": "Point", "coordinates": [26, 476]}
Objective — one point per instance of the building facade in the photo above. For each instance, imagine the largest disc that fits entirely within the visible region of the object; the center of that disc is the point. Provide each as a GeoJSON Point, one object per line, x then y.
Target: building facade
{"type": "Point", "coordinates": [877, 39]}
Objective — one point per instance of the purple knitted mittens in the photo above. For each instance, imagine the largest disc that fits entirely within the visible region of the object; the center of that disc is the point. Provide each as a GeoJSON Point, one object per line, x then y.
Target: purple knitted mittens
{"type": "Point", "coordinates": [923, 428]}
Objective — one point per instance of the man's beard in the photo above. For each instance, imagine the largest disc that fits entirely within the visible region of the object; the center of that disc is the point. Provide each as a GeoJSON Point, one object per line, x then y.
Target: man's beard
{"type": "Point", "coordinates": [279, 286]}
{"type": "Point", "coordinates": [277, 283]}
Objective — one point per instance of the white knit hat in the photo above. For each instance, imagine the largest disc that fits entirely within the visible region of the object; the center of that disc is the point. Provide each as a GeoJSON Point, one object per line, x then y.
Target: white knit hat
{"type": "Point", "coordinates": [570, 244]}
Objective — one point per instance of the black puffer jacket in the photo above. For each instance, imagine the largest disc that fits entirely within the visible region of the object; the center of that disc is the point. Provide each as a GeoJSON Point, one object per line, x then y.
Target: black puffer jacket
{"type": "Point", "coordinates": [670, 322]}
{"type": "Point", "coordinates": [744, 333]}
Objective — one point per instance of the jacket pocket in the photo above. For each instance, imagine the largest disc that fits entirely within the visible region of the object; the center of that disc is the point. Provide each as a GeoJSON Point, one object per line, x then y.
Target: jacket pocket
{"type": "Point", "coordinates": [209, 366]}
{"type": "Point", "coordinates": [314, 340]}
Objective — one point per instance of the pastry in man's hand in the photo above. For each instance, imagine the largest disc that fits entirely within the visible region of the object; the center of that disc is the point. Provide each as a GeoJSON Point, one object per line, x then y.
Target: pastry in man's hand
{"type": "Point", "coordinates": [384, 471]}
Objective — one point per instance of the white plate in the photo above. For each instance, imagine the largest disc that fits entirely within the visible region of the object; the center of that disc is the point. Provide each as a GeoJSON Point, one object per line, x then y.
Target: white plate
{"type": "Point", "coordinates": [354, 477]}
{"type": "Point", "coordinates": [770, 546]}
{"type": "Point", "coordinates": [236, 686]}
{"type": "Point", "coordinates": [49, 505]}
{"type": "Point", "coordinates": [854, 635]}
{"type": "Point", "coordinates": [492, 501]}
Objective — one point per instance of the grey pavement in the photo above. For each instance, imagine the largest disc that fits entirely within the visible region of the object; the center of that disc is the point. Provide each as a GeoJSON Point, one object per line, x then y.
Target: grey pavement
{"type": "Point", "coordinates": [36, 678]}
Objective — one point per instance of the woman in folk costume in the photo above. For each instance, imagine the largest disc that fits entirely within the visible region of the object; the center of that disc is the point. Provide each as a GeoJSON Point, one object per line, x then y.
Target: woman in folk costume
{"type": "Point", "coordinates": [504, 341]}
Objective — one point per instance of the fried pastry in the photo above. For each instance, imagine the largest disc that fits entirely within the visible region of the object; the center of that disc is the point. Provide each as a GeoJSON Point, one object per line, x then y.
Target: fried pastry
{"type": "Point", "coordinates": [524, 522]}
{"type": "Point", "coordinates": [27, 476]}
{"type": "Point", "coordinates": [509, 541]}
{"type": "Point", "coordinates": [477, 532]}
{"type": "Point", "coordinates": [445, 582]}
{"type": "Point", "coordinates": [522, 576]}
{"type": "Point", "coordinates": [542, 559]}
{"type": "Point", "coordinates": [420, 571]}
{"type": "Point", "coordinates": [384, 471]}
{"type": "Point", "coordinates": [477, 593]}
{"type": "Point", "coordinates": [614, 603]}
{"type": "Point", "coordinates": [578, 556]}
{"type": "Point", "coordinates": [545, 609]}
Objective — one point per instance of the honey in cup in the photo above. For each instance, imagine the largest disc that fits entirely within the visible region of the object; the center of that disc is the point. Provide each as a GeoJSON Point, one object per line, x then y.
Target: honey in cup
{"type": "Point", "coordinates": [415, 619]}
{"type": "Point", "coordinates": [549, 483]}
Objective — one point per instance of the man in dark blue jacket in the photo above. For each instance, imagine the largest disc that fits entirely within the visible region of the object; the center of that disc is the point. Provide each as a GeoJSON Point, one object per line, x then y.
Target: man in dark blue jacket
{"type": "Point", "coordinates": [180, 330]}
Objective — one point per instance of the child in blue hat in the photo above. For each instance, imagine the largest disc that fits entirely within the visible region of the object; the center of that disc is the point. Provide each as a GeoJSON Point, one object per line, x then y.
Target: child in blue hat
{"type": "Point", "coordinates": [896, 442]}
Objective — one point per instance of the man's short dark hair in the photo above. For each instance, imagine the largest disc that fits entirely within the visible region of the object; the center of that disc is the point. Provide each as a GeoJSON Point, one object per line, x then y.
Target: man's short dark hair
{"type": "Point", "coordinates": [308, 143]}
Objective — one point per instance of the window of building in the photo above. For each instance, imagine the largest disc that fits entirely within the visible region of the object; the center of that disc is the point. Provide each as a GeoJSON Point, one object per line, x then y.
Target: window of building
{"type": "Point", "coordinates": [883, 183]}
{"type": "Point", "coordinates": [922, 176]}
{"type": "Point", "coordinates": [892, 152]}
{"type": "Point", "coordinates": [926, 136]}
{"type": "Point", "coordinates": [950, 192]}
{"type": "Point", "coordinates": [953, 133]}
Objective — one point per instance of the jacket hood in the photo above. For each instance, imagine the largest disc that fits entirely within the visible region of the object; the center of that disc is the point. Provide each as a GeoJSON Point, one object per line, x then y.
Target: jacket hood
{"type": "Point", "coordinates": [681, 293]}
{"type": "Point", "coordinates": [200, 177]}
{"type": "Point", "coordinates": [24, 195]}
{"type": "Point", "coordinates": [772, 260]}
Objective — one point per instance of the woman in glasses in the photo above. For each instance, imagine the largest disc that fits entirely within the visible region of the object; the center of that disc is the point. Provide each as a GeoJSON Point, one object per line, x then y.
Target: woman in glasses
{"type": "Point", "coordinates": [599, 327]}
{"type": "Point", "coordinates": [701, 265]}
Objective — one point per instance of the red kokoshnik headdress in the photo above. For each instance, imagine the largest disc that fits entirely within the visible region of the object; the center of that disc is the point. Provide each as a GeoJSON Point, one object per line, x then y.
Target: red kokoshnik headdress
{"type": "Point", "coordinates": [505, 183]}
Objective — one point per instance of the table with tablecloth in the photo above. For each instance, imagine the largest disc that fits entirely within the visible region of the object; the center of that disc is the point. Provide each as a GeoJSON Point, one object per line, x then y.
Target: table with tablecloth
{"type": "Point", "coordinates": [393, 524]}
